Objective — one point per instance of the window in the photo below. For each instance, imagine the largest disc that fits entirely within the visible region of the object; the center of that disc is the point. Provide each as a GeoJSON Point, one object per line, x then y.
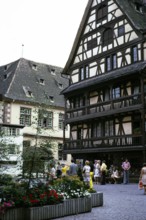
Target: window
{"type": "Point", "coordinates": [27, 91]}
{"type": "Point", "coordinates": [13, 149]}
{"type": "Point", "coordinates": [114, 61]}
{"type": "Point", "coordinates": [134, 54]}
{"type": "Point", "coordinates": [107, 37]}
{"type": "Point", "coordinates": [102, 13]}
{"type": "Point", "coordinates": [84, 72]}
{"type": "Point", "coordinates": [109, 128]}
{"type": "Point", "coordinates": [60, 85]}
{"type": "Point", "coordinates": [121, 30]}
{"type": "Point", "coordinates": [61, 155]}
{"type": "Point", "coordinates": [92, 44]}
{"type": "Point", "coordinates": [42, 81]}
{"type": "Point", "coordinates": [80, 133]}
{"type": "Point", "coordinates": [61, 120]}
{"type": "Point", "coordinates": [138, 7]}
{"type": "Point", "coordinates": [96, 130]}
{"type": "Point", "coordinates": [116, 92]}
{"type": "Point", "coordinates": [5, 67]}
{"type": "Point", "coordinates": [51, 98]}
{"type": "Point", "coordinates": [78, 101]}
{"type": "Point", "coordinates": [25, 116]}
{"type": "Point", "coordinates": [9, 131]}
{"type": "Point", "coordinates": [53, 72]}
{"type": "Point", "coordinates": [108, 64]}
{"type": "Point", "coordinates": [45, 119]}
{"type": "Point", "coordinates": [34, 67]}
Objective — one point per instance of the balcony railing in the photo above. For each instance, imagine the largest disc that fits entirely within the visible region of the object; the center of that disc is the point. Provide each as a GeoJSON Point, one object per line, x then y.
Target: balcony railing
{"type": "Point", "coordinates": [111, 105]}
{"type": "Point", "coordinates": [104, 142]}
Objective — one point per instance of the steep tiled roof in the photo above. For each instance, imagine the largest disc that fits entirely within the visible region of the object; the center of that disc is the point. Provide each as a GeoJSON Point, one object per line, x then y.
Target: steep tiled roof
{"type": "Point", "coordinates": [29, 81]}
{"type": "Point", "coordinates": [137, 18]}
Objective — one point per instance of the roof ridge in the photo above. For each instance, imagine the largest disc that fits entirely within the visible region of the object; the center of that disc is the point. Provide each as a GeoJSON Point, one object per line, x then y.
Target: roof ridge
{"type": "Point", "coordinates": [17, 61]}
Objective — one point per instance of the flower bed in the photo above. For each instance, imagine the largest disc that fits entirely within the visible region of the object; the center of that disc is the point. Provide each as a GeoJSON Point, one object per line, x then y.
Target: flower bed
{"type": "Point", "coordinates": [68, 196]}
{"type": "Point", "coordinates": [68, 207]}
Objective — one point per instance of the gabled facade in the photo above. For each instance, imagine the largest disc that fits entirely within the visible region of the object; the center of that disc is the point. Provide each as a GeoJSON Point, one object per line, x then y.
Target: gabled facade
{"type": "Point", "coordinates": [106, 98]}
{"type": "Point", "coordinates": [30, 98]}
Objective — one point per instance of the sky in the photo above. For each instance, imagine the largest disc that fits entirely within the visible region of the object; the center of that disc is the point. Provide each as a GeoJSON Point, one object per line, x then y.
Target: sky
{"type": "Point", "coordinates": [39, 30]}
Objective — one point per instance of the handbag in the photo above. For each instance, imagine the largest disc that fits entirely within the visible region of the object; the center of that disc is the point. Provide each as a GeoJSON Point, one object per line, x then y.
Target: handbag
{"type": "Point", "coordinates": [140, 184]}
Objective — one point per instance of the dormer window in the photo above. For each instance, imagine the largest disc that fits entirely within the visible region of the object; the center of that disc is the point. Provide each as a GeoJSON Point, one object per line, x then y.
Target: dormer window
{"type": "Point", "coordinates": [53, 72]}
{"type": "Point", "coordinates": [138, 7]}
{"type": "Point", "coordinates": [5, 76]}
{"type": "Point", "coordinates": [51, 98]}
{"type": "Point", "coordinates": [60, 86]}
{"type": "Point", "coordinates": [27, 91]}
{"type": "Point", "coordinates": [34, 67]}
{"type": "Point", "coordinates": [42, 81]}
{"type": "Point", "coordinates": [5, 67]}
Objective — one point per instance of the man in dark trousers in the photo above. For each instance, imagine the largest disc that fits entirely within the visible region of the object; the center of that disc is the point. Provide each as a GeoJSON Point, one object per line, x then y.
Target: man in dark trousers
{"type": "Point", "coordinates": [73, 169]}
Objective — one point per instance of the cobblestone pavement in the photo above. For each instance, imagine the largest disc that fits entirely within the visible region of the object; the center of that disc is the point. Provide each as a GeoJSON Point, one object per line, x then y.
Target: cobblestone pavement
{"type": "Point", "coordinates": [121, 202]}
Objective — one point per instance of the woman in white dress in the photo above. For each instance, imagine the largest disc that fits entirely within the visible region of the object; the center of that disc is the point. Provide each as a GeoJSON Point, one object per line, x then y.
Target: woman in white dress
{"type": "Point", "coordinates": [86, 173]}
{"type": "Point", "coordinates": [97, 172]}
{"type": "Point", "coordinates": [143, 177]}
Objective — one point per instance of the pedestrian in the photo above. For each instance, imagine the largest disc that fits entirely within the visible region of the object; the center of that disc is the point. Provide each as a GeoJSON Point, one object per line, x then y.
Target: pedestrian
{"type": "Point", "coordinates": [59, 170]}
{"type": "Point", "coordinates": [115, 175]}
{"type": "Point", "coordinates": [73, 169]}
{"type": "Point", "coordinates": [52, 173]}
{"type": "Point", "coordinates": [64, 170]}
{"type": "Point", "coordinates": [86, 173]}
{"type": "Point", "coordinates": [91, 174]}
{"type": "Point", "coordinates": [97, 171]}
{"type": "Point", "coordinates": [80, 168]}
{"type": "Point", "coordinates": [103, 172]}
{"type": "Point", "coordinates": [143, 177]}
{"type": "Point", "coordinates": [126, 167]}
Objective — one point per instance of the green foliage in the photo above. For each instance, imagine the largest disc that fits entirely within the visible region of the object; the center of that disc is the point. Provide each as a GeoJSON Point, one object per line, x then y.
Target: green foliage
{"type": "Point", "coordinates": [71, 187]}
{"type": "Point", "coordinates": [6, 179]}
{"type": "Point", "coordinates": [35, 157]}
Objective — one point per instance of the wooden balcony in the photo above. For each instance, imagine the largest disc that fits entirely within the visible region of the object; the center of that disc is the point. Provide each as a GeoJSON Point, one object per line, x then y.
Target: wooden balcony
{"type": "Point", "coordinates": [100, 109]}
{"type": "Point", "coordinates": [104, 143]}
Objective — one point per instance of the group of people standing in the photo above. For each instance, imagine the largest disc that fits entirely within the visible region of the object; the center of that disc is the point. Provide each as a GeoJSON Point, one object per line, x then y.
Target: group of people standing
{"type": "Point", "coordinates": [95, 172]}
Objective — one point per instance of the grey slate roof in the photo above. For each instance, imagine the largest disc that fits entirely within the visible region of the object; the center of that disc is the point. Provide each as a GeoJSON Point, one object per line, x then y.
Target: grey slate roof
{"type": "Point", "coordinates": [21, 75]}
{"type": "Point", "coordinates": [128, 70]}
{"type": "Point", "coordinates": [137, 18]}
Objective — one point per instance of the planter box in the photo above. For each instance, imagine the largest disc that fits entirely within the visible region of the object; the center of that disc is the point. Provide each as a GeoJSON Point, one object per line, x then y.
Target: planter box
{"type": "Point", "coordinates": [97, 199]}
{"type": "Point", "coordinates": [68, 207]}
{"type": "Point", "coordinates": [13, 214]}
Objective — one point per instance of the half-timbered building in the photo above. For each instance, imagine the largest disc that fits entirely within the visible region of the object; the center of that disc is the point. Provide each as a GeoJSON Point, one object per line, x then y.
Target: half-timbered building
{"type": "Point", "coordinates": [106, 97]}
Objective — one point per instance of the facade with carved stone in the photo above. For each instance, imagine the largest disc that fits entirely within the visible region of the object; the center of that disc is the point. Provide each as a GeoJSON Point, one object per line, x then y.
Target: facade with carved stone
{"type": "Point", "coordinates": [106, 97]}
